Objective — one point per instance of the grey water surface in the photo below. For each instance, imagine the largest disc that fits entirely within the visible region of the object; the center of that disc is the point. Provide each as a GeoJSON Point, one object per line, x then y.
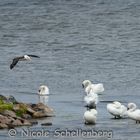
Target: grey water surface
{"type": "Point", "coordinates": [97, 40]}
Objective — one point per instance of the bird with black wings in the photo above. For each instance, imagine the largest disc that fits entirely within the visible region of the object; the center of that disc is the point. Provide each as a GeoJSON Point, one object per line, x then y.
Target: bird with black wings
{"type": "Point", "coordinates": [21, 58]}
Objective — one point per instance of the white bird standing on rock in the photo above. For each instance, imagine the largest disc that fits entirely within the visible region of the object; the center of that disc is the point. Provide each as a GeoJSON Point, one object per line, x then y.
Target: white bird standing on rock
{"type": "Point", "coordinates": [43, 93]}
{"type": "Point", "coordinates": [117, 109]}
{"type": "Point", "coordinates": [133, 113]}
{"type": "Point", "coordinates": [90, 116]}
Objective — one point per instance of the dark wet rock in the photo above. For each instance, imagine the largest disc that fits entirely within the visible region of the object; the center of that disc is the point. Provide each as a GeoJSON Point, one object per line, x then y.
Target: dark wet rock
{"type": "Point", "coordinates": [11, 99]}
{"type": "Point", "coordinates": [34, 122]}
{"type": "Point", "coordinates": [32, 105]}
{"type": "Point", "coordinates": [46, 124]}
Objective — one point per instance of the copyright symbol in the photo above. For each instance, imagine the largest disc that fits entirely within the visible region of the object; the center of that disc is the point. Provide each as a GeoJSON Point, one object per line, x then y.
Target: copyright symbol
{"type": "Point", "coordinates": [12, 132]}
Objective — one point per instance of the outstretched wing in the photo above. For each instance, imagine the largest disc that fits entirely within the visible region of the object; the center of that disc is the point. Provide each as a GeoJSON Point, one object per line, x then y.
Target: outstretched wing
{"type": "Point", "coordinates": [15, 61]}
{"type": "Point", "coordinates": [30, 55]}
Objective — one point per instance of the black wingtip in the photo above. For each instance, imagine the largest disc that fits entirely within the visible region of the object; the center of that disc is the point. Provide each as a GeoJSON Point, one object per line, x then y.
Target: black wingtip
{"type": "Point", "coordinates": [11, 67]}
{"type": "Point", "coordinates": [33, 55]}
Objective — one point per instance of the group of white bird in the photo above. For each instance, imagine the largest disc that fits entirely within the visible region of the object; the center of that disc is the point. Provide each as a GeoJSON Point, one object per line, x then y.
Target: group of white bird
{"type": "Point", "coordinates": [119, 111]}
{"type": "Point", "coordinates": [91, 100]}
{"type": "Point", "coordinates": [115, 108]}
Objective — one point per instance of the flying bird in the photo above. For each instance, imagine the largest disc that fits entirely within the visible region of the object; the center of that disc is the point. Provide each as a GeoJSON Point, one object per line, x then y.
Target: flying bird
{"type": "Point", "coordinates": [21, 58]}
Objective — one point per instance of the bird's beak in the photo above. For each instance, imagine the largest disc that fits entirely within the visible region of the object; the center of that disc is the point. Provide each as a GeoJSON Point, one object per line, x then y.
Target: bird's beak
{"type": "Point", "coordinates": [83, 85]}
{"type": "Point", "coordinates": [39, 91]}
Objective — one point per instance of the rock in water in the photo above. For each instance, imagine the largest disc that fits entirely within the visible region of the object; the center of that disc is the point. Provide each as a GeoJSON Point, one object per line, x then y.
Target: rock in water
{"type": "Point", "coordinates": [13, 113]}
{"type": "Point", "coordinates": [42, 107]}
{"type": "Point", "coordinates": [46, 124]}
{"type": "Point", "coordinates": [42, 111]}
{"type": "Point", "coordinates": [11, 99]}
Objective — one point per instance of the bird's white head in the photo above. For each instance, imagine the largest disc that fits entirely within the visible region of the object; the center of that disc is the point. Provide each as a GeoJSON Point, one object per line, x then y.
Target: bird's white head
{"type": "Point", "coordinates": [131, 106]}
{"type": "Point", "coordinates": [26, 57]}
{"type": "Point", "coordinates": [86, 83]}
{"type": "Point", "coordinates": [43, 90]}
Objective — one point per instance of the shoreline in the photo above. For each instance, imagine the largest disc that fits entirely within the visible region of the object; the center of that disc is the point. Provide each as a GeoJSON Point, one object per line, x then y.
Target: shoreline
{"type": "Point", "coordinates": [14, 113]}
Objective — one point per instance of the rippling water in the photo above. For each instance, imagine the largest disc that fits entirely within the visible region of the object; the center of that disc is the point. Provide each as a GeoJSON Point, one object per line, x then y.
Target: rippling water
{"type": "Point", "coordinates": [76, 40]}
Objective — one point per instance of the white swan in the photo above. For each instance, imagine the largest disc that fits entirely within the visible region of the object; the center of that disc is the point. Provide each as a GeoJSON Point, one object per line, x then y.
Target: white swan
{"type": "Point", "coordinates": [116, 109]}
{"type": "Point", "coordinates": [43, 90]}
{"type": "Point", "coordinates": [90, 116]}
{"type": "Point", "coordinates": [91, 100]}
{"type": "Point", "coordinates": [133, 112]}
{"type": "Point", "coordinates": [85, 83]}
{"type": "Point", "coordinates": [43, 93]}
{"type": "Point", "coordinates": [96, 88]}
{"type": "Point", "coordinates": [88, 85]}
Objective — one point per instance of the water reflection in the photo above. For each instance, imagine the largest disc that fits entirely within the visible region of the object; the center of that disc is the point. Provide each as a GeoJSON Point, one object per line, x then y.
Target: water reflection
{"type": "Point", "coordinates": [43, 99]}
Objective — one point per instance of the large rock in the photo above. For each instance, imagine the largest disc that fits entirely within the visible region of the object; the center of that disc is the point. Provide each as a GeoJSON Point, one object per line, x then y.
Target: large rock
{"type": "Point", "coordinates": [42, 111]}
{"type": "Point", "coordinates": [41, 106]}
{"type": "Point", "coordinates": [30, 110]}
{"type": "Point", "coordinates": [40, 114]}
{"type": "Point", "coordinates": [9, 113]}
{"type": "Point", "coordinates": [19, 113]}
{"type": "Point", "coordinates": [5, 119]}
{"type": "Point", "coordinates": [16, 122]}
{"type": "Point", "coordinates": [2, 126]}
